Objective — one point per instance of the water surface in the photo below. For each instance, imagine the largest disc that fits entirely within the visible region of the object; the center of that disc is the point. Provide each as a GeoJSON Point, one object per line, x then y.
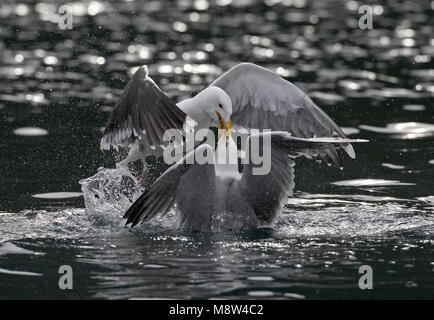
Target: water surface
{"type": "Point", "coordinates": [57, 88]}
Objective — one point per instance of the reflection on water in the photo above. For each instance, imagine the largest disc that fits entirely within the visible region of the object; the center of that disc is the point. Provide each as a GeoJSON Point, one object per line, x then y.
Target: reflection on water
{"type": "Point", "coordinates": [30, 131]}
{"type": "Point", "coordinates": [405, 130]}
{"type": "Point", "coordinates": [58, 87]}
{"type": "Point", "coordinates": [57, 195]}
{"type": "Point", "coordinates": [371, 182]}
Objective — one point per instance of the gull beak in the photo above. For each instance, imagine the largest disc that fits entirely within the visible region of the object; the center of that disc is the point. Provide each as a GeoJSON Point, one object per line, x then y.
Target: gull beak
{"type": "Point", "coordinates": [223, 126]}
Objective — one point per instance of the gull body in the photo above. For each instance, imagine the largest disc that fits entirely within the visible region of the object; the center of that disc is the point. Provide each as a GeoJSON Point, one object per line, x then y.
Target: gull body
{"type": "Point", "coordinates": [214, 201]}
{"type": "Point", "coordinates": [216, 196]}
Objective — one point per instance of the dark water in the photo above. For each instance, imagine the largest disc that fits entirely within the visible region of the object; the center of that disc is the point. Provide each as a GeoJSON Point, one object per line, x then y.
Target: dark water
{"type": "Point", "coordinates": [378, 84]}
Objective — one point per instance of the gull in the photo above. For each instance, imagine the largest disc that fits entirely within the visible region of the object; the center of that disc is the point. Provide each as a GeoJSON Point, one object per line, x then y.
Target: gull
{"type": "Point", "coordinates": [247, 96]}
{"type": "Point", "coordinates": [215, 196]}
{"type": "Point", "coordinates": [144, 113]}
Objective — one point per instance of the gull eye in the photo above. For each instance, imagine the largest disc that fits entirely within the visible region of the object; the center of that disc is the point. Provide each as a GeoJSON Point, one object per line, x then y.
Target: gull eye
{"type": "Point", "coordinates": [220, 106]}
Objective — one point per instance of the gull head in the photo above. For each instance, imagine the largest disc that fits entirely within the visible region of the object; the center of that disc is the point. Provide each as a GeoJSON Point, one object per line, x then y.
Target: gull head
{"type": "Point", "coordinates": [219, 108]}
{"type": "Point", "coordinates": [217, 105]}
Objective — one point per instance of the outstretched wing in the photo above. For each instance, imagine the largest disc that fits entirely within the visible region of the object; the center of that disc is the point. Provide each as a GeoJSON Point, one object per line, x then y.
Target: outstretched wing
{"type": "Point", "coordinates": [262, 99]}
{"type": "Point", "coordinates": [268, 193]}
{"type": "Point", "coordinates": [143, 113]}
{"type": "Point", "coordinates": [173, 184]}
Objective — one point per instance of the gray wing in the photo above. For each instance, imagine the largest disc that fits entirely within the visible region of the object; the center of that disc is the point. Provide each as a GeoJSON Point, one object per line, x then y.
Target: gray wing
{"type": "Point", "coordinates": [267, 194]}
{"type": "Point", "coordinates": [143, 113]}
{"type": "Point", "coordinates": [181, 182]}
{"type": "Point", "coordinates": [196, 198]}
{"type": "Point", "coordinates": [262, 99]}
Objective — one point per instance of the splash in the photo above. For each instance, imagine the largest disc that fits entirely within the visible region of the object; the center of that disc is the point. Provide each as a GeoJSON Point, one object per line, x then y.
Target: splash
{"type": "Point", "coordinates": [110, 192]}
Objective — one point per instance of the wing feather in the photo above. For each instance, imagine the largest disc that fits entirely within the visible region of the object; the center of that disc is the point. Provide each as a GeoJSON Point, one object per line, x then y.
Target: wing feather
{"type": "Point", "coordinates": [143, 113]}
{"type": "Point", "coordinates": [267, 194]}
{"type": "Point", "coordinates": [262, 99]}
{"type": "Point", "coordinates": [172, 186]}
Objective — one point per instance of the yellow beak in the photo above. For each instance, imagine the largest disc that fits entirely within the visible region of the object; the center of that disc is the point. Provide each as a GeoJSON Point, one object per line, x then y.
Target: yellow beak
{"type": "Point", "coordinates": [224, 128]}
